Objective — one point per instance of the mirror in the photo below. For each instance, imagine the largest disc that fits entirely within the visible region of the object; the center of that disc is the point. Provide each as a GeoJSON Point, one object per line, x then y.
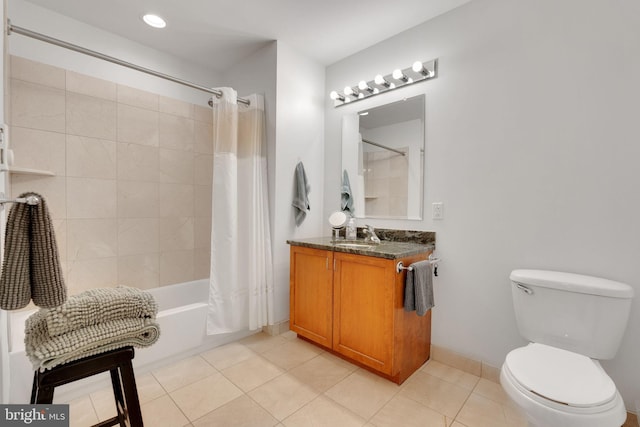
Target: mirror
{"type": "Point", "coordinates": [383, 155]}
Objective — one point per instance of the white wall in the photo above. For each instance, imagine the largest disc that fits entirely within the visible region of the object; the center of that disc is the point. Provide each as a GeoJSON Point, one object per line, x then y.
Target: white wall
{"type": "Point", "coordinates": [44, 21]}
{"type": "Point", "coordinates": [532, 145]}
{"type": "Point", "coordinates": [299, 137]}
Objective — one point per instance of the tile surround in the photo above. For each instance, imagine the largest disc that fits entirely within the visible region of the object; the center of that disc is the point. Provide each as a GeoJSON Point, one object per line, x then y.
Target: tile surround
{"type": "Point", "coordinates": [87, 85]}
{"type": "Point", "coordinates": [176, 132]}
{"type": "Point", "coordinates": [53, 188]}
{"type": "Point", "coordinates": [90, 116]}
{"type": "Point", "coordinates": [176, 267]}
{"type": "Point", "coordinates": [131, 191]}
{"type": "Point", "coordinates": [141, 269]}
{"type": "Point", "coordinates": [39, 149]}
{"type": "Point", "coordinates": [89, 157]}
{"type": "Point", "coordinates": [136, 97]}
{"type": "Point", "coordinates": [28, 71]}
{"type": "Point", "coordinates": [138, 125]}
{"type": "Point", "coordinates": [35, 106]}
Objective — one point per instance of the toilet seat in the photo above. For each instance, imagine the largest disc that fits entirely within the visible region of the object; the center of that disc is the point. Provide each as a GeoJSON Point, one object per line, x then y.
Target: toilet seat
{"type": "Point", "coordinates": [560, 376]}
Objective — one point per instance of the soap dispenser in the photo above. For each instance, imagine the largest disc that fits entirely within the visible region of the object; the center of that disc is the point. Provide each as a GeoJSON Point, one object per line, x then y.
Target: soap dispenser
{"type": "Point", "coordinates": [352, 232]}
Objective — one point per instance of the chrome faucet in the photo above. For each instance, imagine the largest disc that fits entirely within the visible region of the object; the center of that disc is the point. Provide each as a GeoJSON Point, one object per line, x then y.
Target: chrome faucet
{"type": "Point", "coordinates": [371, 234]}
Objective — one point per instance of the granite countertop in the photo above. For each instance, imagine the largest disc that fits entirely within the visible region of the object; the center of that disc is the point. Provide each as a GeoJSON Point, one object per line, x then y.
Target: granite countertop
{"type": "Point", "coordinates": [389, 249]}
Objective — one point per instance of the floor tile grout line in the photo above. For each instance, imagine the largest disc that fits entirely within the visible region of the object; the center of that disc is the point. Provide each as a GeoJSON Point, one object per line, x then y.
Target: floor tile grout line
{"type": "Point", "coordinates": [168, 394]}
{"type": "Point", "coordinates": [95, 411]}
{"type": "Point", "coordinates": [433, 409]}
{"type": "Point", "coordinates": [397, 392]}
{"type": "Point", "coordinates": [455, 419]}
{"type": "Point", "coordinates": [367, 421]}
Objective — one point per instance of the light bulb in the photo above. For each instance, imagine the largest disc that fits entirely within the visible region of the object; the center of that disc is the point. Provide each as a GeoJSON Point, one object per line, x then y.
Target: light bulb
{"type": "Point", "coordinates": [376, 91]}
{"type": "Point", "coordinates": [397, 74]}
{"type": "Point", "coordinates": [154, 21]}
{"type": "Point", "coordinates": [363, 85]}
{"type": "Point", "coordinates": [347, 100]}
{"type": "Point", "coordinates": [392, 85]}
{"type": "Point", "coordinates": [409, 80]}
{"type": "Point", "coordinates": [417, 67]}
{"type": "Point", "coordinates": [348, 90]}
{"type": "Point", "coordinates": [336, 96]}
{"type": "Point", "coordinates": [361, 95]}
{"type": "Point", "coordinates": [379, 80]}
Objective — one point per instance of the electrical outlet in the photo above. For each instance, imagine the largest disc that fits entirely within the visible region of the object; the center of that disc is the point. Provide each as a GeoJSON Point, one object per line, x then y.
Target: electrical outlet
{"type": "Point", "coordinates": [437, 210]}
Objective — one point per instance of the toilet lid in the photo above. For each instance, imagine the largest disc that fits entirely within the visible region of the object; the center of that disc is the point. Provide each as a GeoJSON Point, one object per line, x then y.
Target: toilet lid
{"type": "Point", "coordinates": [560, 375]}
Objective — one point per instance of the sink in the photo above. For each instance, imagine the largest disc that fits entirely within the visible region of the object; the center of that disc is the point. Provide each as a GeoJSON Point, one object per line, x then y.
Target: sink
{"type": "Point", "coordinates": [356, 245]}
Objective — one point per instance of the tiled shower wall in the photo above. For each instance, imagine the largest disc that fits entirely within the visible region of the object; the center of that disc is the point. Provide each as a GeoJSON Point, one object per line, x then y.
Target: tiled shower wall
{"type": "Point", "coordinates": [130, 194]}
{"type": "Point", "coordinates": [387, 182]}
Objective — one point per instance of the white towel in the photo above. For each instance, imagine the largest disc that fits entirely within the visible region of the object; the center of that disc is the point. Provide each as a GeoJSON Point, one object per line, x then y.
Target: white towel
{"type": "Point", "coordinates": [301, 192]}
{"type": "Point", "coordinates": [418, 288]}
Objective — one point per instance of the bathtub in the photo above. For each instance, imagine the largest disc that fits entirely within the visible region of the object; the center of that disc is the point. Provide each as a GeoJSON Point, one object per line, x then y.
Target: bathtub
{"type": "Point", "coordinates": [182, 314]}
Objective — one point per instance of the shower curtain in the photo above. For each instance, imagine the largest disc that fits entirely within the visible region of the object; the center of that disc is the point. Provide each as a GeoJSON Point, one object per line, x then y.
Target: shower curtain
{"type": "Point", "coordinates": [241, 279]}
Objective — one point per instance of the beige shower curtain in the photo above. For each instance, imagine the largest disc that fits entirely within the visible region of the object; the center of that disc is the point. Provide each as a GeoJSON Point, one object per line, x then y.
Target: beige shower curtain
{"type": "Point", "coordinates": [241, 279]}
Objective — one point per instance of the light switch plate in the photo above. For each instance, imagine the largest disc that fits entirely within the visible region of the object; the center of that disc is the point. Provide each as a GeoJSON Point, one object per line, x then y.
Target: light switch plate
{"type": "Point", "coordinates": [437, 210]}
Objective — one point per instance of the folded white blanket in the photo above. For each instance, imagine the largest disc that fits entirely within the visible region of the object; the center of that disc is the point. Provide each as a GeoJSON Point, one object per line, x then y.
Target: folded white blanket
{"type": "Point", "coordinates": [93, 322]}
{"type": "Point", "coordinates": [46, 352]}
{"type": "Point", "coordinates": [98, 306]}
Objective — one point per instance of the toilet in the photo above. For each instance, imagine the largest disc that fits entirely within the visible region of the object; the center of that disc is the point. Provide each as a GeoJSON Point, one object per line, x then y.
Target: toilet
{"type": "Point", "coordinates": [572, 321]}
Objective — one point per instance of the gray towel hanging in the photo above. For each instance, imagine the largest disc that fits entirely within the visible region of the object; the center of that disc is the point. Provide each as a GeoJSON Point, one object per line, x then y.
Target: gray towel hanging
{"type": "Point", "coordinates": [31, 267]}
{"type": "Point", "coordinates": [418, 291]}
{"type": "Point", "coordinates": [301, 192]}
{"type": "Point", "coordinates": [346, 194]}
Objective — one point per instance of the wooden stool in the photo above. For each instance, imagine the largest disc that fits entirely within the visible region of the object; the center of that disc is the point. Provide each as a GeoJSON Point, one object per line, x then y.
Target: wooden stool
{"type": "Point", "coordinates": [118, 362]}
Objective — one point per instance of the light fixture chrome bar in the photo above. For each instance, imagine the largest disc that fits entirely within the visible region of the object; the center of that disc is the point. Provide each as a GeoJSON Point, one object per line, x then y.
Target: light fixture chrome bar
{"type": "Point", "coordinates": [384, 146]}
{"type": "Point", "coordinates": [418, 72]}
{"type": "Point", "coordinates": [38, 36]}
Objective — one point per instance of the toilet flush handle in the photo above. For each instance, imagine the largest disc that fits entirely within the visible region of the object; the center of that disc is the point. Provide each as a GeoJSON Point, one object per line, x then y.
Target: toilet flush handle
{"type": "Point", "coordinates": [524, 289]}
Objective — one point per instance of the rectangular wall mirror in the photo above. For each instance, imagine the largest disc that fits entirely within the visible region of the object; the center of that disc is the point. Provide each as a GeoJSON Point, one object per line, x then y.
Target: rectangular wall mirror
{"type": "Point", "coordinates": [383, 155]}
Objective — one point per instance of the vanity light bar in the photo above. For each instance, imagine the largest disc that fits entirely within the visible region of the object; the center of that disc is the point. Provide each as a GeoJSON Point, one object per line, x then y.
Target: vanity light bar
{"type": "Point", "coordinates": [418, 72]}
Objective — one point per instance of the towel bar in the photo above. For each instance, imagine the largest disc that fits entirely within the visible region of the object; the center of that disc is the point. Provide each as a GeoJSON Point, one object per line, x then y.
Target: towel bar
{"type": "Point", "coordinates": [29, 200]}
{"type": "Point", "coordinates": [433, 260]}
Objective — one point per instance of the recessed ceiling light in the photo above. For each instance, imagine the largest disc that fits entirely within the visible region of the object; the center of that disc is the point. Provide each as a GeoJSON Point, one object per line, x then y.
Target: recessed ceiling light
{"type": "Point", "coordinates": [154, 21]}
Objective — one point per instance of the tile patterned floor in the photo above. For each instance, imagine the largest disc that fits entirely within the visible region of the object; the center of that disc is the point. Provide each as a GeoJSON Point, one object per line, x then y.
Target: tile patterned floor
{"type": "Point", "coordinates": [265, 381]}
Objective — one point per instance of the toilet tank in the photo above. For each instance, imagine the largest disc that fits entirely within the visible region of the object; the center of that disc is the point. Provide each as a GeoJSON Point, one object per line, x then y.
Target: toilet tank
{"type": "Point", "coordinates": [583, 314]}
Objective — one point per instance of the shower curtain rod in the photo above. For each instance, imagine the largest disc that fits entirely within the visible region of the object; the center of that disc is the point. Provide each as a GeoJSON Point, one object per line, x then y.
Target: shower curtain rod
{"type": "Point", "coordinates": [23, 31]}
{"type": "Point", "coordinates": [384, 146]}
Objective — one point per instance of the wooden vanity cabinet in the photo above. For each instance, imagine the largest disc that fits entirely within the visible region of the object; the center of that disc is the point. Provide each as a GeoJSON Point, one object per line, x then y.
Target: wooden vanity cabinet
{"type": "Point", "coordinates": [311, 294]}
{"type": "Point", "coordinates": [353, 306]}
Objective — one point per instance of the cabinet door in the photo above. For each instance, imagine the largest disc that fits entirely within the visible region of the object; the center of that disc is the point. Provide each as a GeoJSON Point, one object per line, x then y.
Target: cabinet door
{"type": "Point", "coordinates": [311, 294]}
{"type": "Point", "coordinates": [363, 310]}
